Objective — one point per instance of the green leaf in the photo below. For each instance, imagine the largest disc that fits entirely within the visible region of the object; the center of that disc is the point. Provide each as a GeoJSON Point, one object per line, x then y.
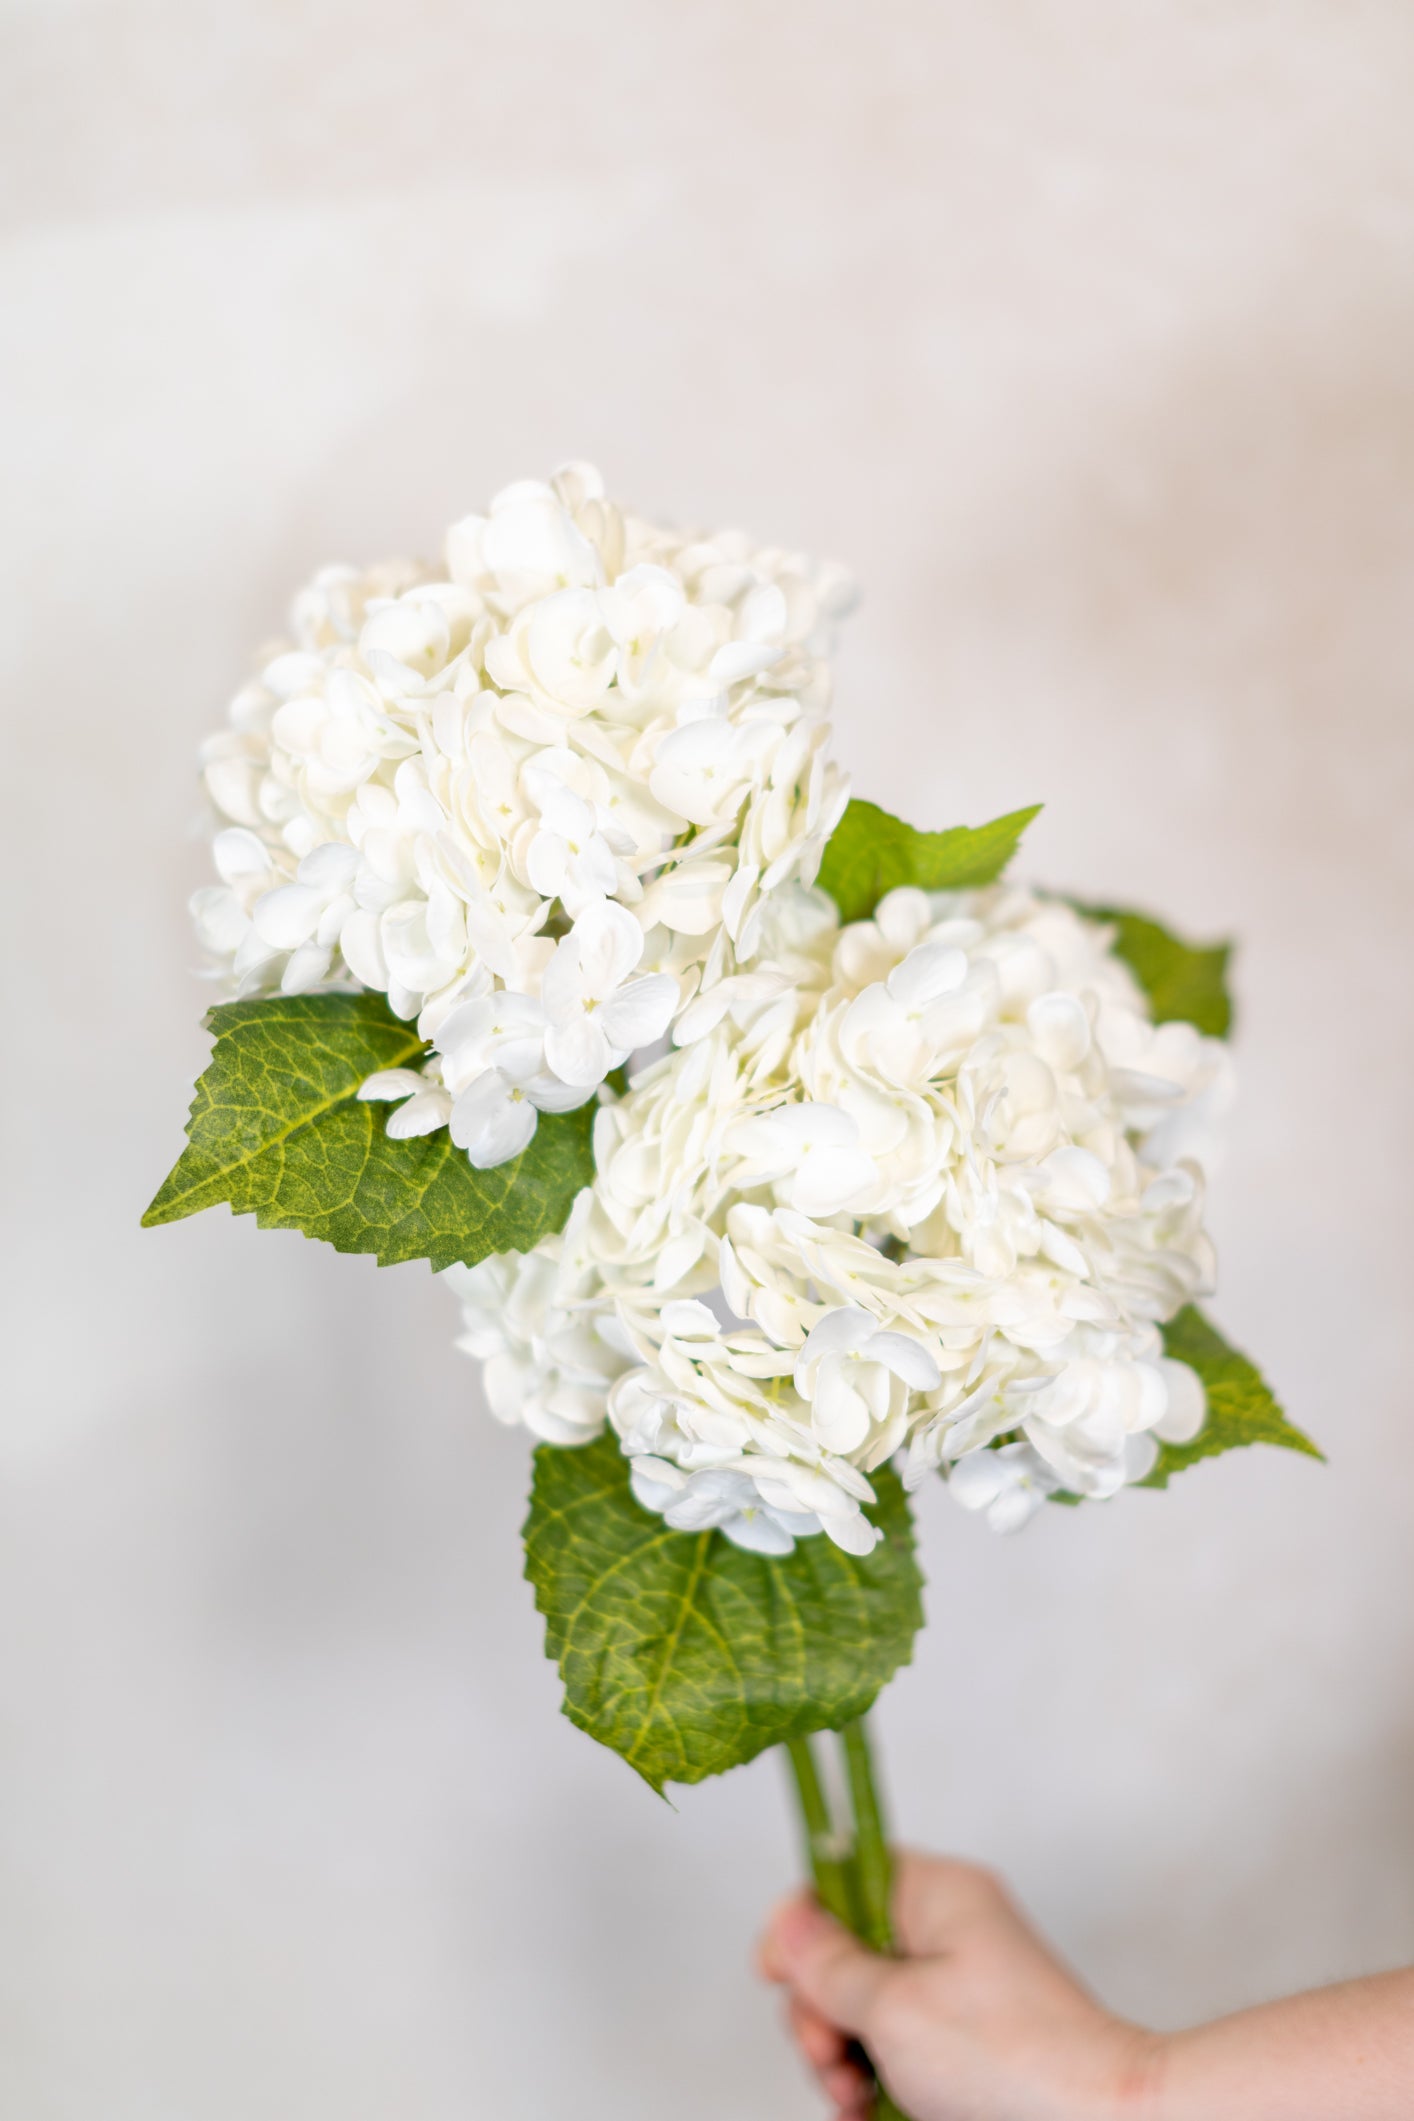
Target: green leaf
{"type": "Point", "coordinates": [1241, 1407]}
{"type": "Point", "coordinates": [688, 1656]}
{"type": "Point", "coordinates": [277, 1132]}
{"type": "Point", "coordinates": [1185, 982]}
{"type": "Point", "coordinates": [870, 852]}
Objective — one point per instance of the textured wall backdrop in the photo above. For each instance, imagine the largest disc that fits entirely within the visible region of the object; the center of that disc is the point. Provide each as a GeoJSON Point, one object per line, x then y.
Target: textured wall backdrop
{"type": "Point", "coordinates": [1084, 331]}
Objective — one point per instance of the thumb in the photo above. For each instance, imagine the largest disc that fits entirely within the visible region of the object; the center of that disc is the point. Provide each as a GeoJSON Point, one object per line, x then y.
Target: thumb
{"type": "Point", "coordinates": [826, 1967]}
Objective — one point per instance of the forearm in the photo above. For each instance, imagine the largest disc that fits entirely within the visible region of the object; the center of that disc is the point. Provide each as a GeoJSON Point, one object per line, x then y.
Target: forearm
{"type": "Point", "coordinates": [1346, 2052]}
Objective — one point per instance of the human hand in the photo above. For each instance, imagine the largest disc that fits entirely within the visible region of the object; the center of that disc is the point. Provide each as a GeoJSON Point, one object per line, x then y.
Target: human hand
{"type": "Point", "coordinates": [976, 2020]}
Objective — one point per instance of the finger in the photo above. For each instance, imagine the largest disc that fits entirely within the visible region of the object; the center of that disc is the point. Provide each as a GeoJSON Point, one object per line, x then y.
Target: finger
{"type": "Point", "coordinates": [825, 1967]}
{"type": "Point", "coordinates": [936, 1898]}
{"type": "Point", "coordinates": [769, 1963]}
{"type": "Point", "coordinates": [822, 2044]}
{"type": "Point", "coordinates": [849, 2088]}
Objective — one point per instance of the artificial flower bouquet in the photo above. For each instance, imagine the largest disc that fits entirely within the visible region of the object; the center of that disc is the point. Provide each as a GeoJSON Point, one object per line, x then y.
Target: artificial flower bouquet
{"type": "Point", "coordinates": [784, 1160]}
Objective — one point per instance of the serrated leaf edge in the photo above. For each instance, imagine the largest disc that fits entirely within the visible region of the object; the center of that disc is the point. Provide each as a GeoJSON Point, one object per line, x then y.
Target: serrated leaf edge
{"type": "Point", "coordinates": [780, 1595]}
{"type": "Point", "coordinates": [162, 1210]}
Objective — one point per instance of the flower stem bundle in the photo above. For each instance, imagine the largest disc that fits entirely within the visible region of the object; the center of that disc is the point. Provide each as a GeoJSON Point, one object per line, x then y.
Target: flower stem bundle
{"type": "Point", "coordinates": [848, 1858]}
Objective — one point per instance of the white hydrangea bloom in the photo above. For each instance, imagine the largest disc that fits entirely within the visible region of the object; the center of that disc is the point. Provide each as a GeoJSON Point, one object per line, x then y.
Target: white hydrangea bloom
{"type": "Point", "coordinates": [919, 1186]}
{"type": "Point", "coordinates": [564, 771]}
{"type": "Point", "coordinates": [1007, 1486]}
{"type": "Point", "coordinates": [546, 1365]}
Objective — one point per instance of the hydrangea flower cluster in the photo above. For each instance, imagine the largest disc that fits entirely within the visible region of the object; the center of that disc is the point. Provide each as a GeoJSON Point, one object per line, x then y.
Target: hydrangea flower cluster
{"type": "Point", "coordinates": [536, 798]}
{"type": "Point", "coordinates": [922, 1187]}
{"type": "Point", "coordinates": [926, 1184]}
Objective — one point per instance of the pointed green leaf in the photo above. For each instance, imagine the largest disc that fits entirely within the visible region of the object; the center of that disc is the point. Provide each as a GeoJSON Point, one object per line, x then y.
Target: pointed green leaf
{"type": "Point", "coordinates": [1185, 982]}
{"type": "Point", "coordinates": [871, 852]}
{"type": "Point", "coordinates": [276, 1131]}
{"type": "Point", "coordinates": [1241, 1406]}
{"type": "Point", "coordinates": [686, 1655]}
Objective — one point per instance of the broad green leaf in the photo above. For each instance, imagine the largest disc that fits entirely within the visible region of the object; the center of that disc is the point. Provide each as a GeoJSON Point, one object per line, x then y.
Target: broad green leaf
{"type": "Point", "coordinates": [1241, 1408]}
{"type": "Point", "coordinates": [277, 1132]}
{"type": "Point", "coordinates": [1186, 982]}
{"type": "Point", "coordinates": [688, 1656]}
{"type": "Point", "coordinates": [871, 852]}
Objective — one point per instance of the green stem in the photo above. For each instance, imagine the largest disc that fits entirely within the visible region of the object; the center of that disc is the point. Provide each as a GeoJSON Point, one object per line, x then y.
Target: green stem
{"type": "Point", "coordinates": [873, 1869]}
{"type": "Point", "coordinates": [884, 2108]}
{"type": "Point", "coordinates": [855, 1886]}
{"type": "Point", "coordinates": [823, 1849]}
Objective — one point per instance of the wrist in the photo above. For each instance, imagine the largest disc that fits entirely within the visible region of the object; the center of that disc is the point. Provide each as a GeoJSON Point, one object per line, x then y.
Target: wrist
{"type": "Point", "coordinates": [1141, 2075]}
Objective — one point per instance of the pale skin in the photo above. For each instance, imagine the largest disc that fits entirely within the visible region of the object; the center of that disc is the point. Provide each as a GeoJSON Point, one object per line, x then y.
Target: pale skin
{"type": "Point", "coordinates": [977, 2020]}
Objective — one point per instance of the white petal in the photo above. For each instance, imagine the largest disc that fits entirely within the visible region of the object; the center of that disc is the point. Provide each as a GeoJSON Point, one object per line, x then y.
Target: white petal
{"type": "Point", "coordinates": [330, 868]}
{"type": "Point", "coordinates": [362, 945]}
{"type": "Point", "coordinates": [840, 1332]}
{"type": "Point", "coordinates": [839, 1416]}
{"type": "Point", "coordinates": [548, 1094]}
{"type": "Point", "coordinates": [907, 1358]}
{"type": "Point", "coordinates": [332, 919]}
{"type": "Point", "coordinates": [490, 937]}
{"type": "Point", "coordinates": [704, 746]}
{"type": "Point", "coordinates": [520, 1057]}
{"type": "Point", "coordinates": [736, 895]}
{"type": "Point", "coordinates": [239, 855]}
{"type": "Point", "coordinates": [562, 985]}
{"type": "Point", "coordinates": [816, 1126]}
{"type": "Point", "coordinates": [463, 550]}
{"type": "Point", "coordinates": [688, 898]}
{"type": "Point", "coordinates": [640, 1011]}
{"type": "Point", "coordinates": [564, 813]}
{"type": "Point", "coordinates": [933, 969]}
{"type": "Point", "coordinates": [902, 916]}
{"type": "Point", "coordinates": [548, 864]}
{"type": "Point", "coordinates": [1140, 1457]}
{"type": "Point", "coordinates": [977, 1480]}
{"type": "Point", "coordinates": [392, 1082]}
{"type": "Point", "coordinates": [735, 1286]}
{"type": "Point", "coordinates": [221, 926]}
{"type": "Point", "coordinates": [423, 1114]}
{"type": "Point", "coordinates": [1187, 1408]}
{"type": "Point", "coordinates": [742, 659]}
{"type": "Point", "coordinates": [649, 1494]}
{"type": "Point", "coordinates": [645, 600]}
{"type": "Point", "coordinates": [252, 955]}
{"type": "Point", "coordinates": [593, 875]}
{"type": "Point", "coordinates": [759, 1532]}
{"type": "Point", "coordinates": [578, 1051]}
{"type": "Point", "coordinates": [1062, 1250]}
{"type": "Point", "coordinates": [289, 673]}
{"type": "Point", "coordinates": [854, 1533]}
{"type": "Point", "coordinates": [687, 1319]}
{"type": "Point", "coordinates": [1061, 1029]}
{"type": "Point", "coordinates": [1075, 1180]}
{"type": "Point", "coordinates": [305, 968]}
{"type": "Point", "coordinates": [502, 1029]}
{"type": "Point", "coordinates": [287, 916]}
{"type": "Point", "coordinates": [827, 1181]}
{"type": "Point", "coordinates": [763, 613]}
{"type": "Point", "coordinates": [491, 1121]}
{"type": "Point", "coordinates": [610, 943]}
{"type": "Point", "coordinates": [1015, 1507]}
{"type": "Point", "coordinates": [706, 1501]}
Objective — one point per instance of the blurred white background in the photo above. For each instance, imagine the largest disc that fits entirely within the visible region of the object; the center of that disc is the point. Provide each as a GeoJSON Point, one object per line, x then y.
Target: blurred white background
{"type": "Point", "coordinates": [1084, 331]}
